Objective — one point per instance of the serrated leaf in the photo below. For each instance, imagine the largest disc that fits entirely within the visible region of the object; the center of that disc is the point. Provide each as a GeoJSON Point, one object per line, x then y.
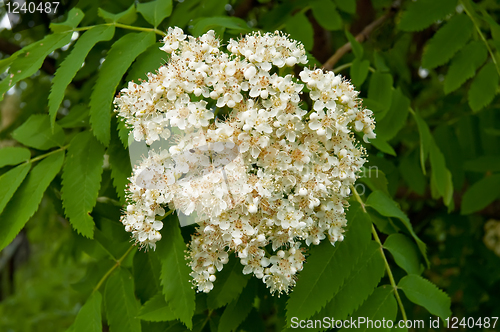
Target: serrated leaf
{"type": "Point", "coordinates": [325, 12]}
{"type": "Point", "coordinates": [362, 280]}
{"type": "Point", "coordinates": [13, 155]}
{"type": "Point", "coordinates": [380, 90]}
{"type": "Point", "coordinates": [147, 271]}
{"type": "Point", "coordinates": [75, 16]}
{"type": "Point", "coordinates": [156, 310]}
{"type": "Point", "coordinates": [380, 305]}
{"type": "Point", "coordinates": [299, 28]}
{"type": "Point", "coordinates": [412, 173]}
{"type": "Point", "coordinates": [175, 277]}
{"type": "Point", "coordinates": [424, 293]}
{"type": "Point", "coordinates": [348, 6]}
{"type": "Point", "coordinates": [425, 139]}
{"type": "Point", "coordinates": [89, 316]}
{"type": "Point", "coordinates": [384, 205]}
{"type": "Point", "coordinates": [374, 179]}
{"type": "Point", "coordinates": [481, 194]}
{"type": "Point", "coordinates": [328, 267]}
{"type": "Point", "coordinates": [31, 59]}
{"type": "Point", "coordinates": [119, 160]}
{"type": "Point", "coordinates": [383, 146]}
{"type": "Point", "coordinates": [154, 12]}
{"type": "Point", "coordinates": [236, 312]}
{"type": "Point", "coordinates": [26, 199]}
{"type": "Point", "coordinates": [126, 17]}
{"type": "Point", "coordinates": [356, 46]}
{"type": "Point", "coordinates": [229, 284]}
{"type": "Point", "coordinates": [440, 175]}
{"type": "Point", "coordinates": [36, 133]}
{"type": "Point", "coordinates": [148, 62]}
{"type": "Point", "coordinates": [447, 41]}
{"type": "Point", "coordinates": [10, 181]}
{"type": "Point", "coordinates": [395, 118]}
{"type": "Point", "coordinates": [121, 305]}
{"type": "Point", "coordinates": [404, 252]}
{"type": "Point", "coordinates": [205, 24]}
{"type": "Point", "coordinates": [359, 71]}
{"type": "Point", "coordinates": [122, 53]}
{"type": "Point", "coordinates": [81, 181]}
{"type": "Point", "coordinates": [422, 13]}
{"type": "Point", "coordinates": [78, 116]}
{"type": "Point", "coordinates": [73, 62]}
{"type": "Point", "coordinates": [483, 87]}
{"type": "Point", "coordinates": [464, 65]}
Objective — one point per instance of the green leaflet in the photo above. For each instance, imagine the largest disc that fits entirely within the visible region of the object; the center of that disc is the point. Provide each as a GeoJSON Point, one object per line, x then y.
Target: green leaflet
{"type": "Point", "coordinates": [483, 87]}
{"type": "Point", "coordinates": [404, 252]}
{"type": "Point", "coordinates": [205, 24]}
{"type": "Point", "coordinates": [422, 13]}
{"type": "Point", "coordinates": [148, 62]}
{"type": "Point", "coordinates": [348, 6]}
{"type": "Point", "coordinates": [464, 65]}
{"type": "Point", "coordinates": [482, 164]}
{"type": "Point", "coordinates": [36, 133]}
{"type": "Point", "coordinates": [383, 146]}
{"type": "Point", "coordinates": [299, 28]}
{"type": "Point", "coordinates": [126, 17]}
{"type": "Point", "coordinates": [325, 12]}
{"type": "Point", "coordinates": [228, 285]}
{"type": "Point", "coordinates": [356, 46]}
{"type": "Point", "coordinates": [441, 176]}
{"type": "Point", "coordinates": [388, 208]}
{"type": "Point", "coordinates": [447, 41]}
{"type": "Point", "coordinates": [379, 94]}
{"type": "Point", "coordinates": [75, 16]}
{"type": "Point", "coordinates": [119, 160]}
{"type": "Point", "coordinates": [30, 59]}
{"type": "Point", "coordinates": [328, 267]}
{"type": "Point", "coordinates": [156, 310]}
{"type": "Point", "coordinates": [374, 179]}
{"type": "Point", "coordinates": [154, 12]}
{"type": "Point", "coordinates": [481, 194]}
{"type": "Point", "coordinates": [412, 173]}
{"type": "Point", "coordinates": [13, 155]}
{"type": "Point", "coordinates": [73, 62]}
{"type": "Point", "coordinates": [175, 273]}
{"type": "Point", "coordinates": [89, 316]}
{"type": "Point", "coordinates": [122, 53]}
{"type": "Point", "coordinates": [78, 116]}
{"type": "Point", "coordinates": [147, 271]}
{"type": "Point", "coordinates": [359, 71]}
{"type": "Point", "coordinates": [425, 139]}
{"type": "Point", "coordinates": [424, 293]}
{"type": "Point", "coordinates": [81, 181]}
{"type": "Point", "coordinates": [121, 305]}
{"type": "Point", "coordinates": [396, 116]}
{"type": "Point", "coordinates": [10, 181]}
{"type": "Point", "coordinates": [236, 311]}
{"type": "Point", "coordinates": [25, 201]}
{"type": "Point", "coordinates": [380, 305]}
{"type": "Point", "coordinates": [361, 282]}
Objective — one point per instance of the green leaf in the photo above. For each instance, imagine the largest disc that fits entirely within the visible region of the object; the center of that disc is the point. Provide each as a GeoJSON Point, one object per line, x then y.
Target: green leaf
{"type": "Point", "coordinates": [425, 139]}
{"type": "Point", "coordinates": [374, 179]}
{"type": "Point", "coordinates": [81, 181]}
{"type": "Point", "coordinates": [383, 146]}
{"type": "Point", "coordinates": [147, 271]}
{"type": "Point", "coordinates": [356, 46]}
{"type": "Point", "coordinates": [483, 87]}
{"type": "Point", "coordinates": [77, 117]}
{"type": "Point", "coordinates": [329, 266]}
{"type": "Point", "coordinates": [482, 164]}
{"type": "Point", "coordinates": [481, 194]}
{"type": "Point", "coordinates": [325, 12]}
{"type": "Point", "coordinates": [10, 181]}
{"type": "Point", "coordinates": [73, 62]}
{"type": "Point", "coordinates": [236, 312]}
{"type": "Point", "coordinates": [126, 17]}
{"type": "Point", "coordinates": [156, 310]}
{"type": "Point", "coordinates": [26, 199]}
{"type": "Point", "coordinates": [380, 305]}
{"type": "Point", "coordinates": [75, 16]}
{"type": "Point", "coordinates": [299, 28]}
{"type": "Point", "coordinates": [380, 90]}
{"type": "Point", "coordinates": [36, 133]}
{"type": "Point", "coordinates": [422, 13]}
{"type": "Point", "coordinates": [447, 41]}
{"type": "Point", "coordinates": [229, 284]}
{"type": "Point", "coordinates": [384, 205]}
{"type": "Point", "coordinates": [412, 173]}
{"type": "Point", "coordinates": [148, 62]}
{"type": "Point", "coordinates": [362, 280]}
{"type": "Point", "coordinates": [13, 155]}
{"type": "Point", "coordinates": [31, 59]}
{"type": "Point", "coordinates": [119, 160]}
{"type": "Point", "coordinates": [404, 252]}
{"type": "Point", "coordinates": [175, 273]}
{"type": "Point", "coordinates": [89, 316]}
{"type": "Point", "coordinates": [154, 12]}
{"type": "Point", "coordinates": [440, 175]}
{"type": "Point", "coordinates": [359, 71]}
{"type": "Point", "coordinates": [348, 6]}
{"type": "Point", "coordinates": [122, 53]}
{"type": "Point", "coordinates": [464, 65]}
{"type": "Point", "coordinates": [395, 118]}
{"type": "Point", "coordinates": [225, 22]}
{"type": "Point", "coordinates": [424, 293]}
{"type": "Point", "coordinates": [120, 302]}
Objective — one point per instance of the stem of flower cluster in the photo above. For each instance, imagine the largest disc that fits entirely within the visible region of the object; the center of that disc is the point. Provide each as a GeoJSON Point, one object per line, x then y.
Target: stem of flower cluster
{"type": "Point", "coordinates": [387, 267]}
{"type": "Point", "coordinates": [118, 263]}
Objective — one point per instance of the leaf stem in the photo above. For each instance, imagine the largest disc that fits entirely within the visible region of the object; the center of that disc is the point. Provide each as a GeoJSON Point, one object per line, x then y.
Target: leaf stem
{"type": "Point", "coordinates": [118, 263]}
{"type": "Point", "coordinates": [166, 215]}
{"type": "Point", "coordinates": [46, 154]}
{"type": "Point", "coordinates": [124, 26]}
{"type": "Point", "coordinates": [387, 266]}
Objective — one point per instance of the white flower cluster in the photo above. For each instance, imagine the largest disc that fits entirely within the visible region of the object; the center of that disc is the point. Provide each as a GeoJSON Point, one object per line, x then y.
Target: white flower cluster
{"type": "Point", "coordinates": [492, 235]}
{"type": "Point", "coordinates": [265, 176]}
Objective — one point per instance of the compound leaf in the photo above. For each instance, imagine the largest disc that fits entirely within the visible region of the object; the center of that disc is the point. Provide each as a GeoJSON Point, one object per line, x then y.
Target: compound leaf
{"type": "Point", "coordinates": [464, 65]}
